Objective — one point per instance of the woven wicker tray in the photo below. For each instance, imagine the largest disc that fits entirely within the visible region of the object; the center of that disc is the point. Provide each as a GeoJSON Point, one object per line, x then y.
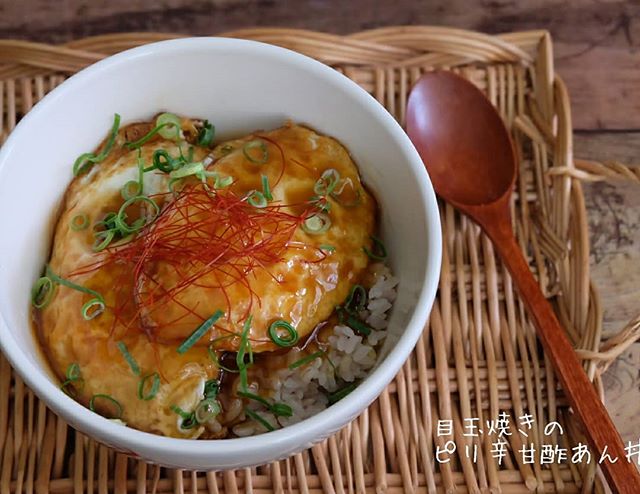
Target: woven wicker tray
{"type": "Point", "coordinates": [477, 357]}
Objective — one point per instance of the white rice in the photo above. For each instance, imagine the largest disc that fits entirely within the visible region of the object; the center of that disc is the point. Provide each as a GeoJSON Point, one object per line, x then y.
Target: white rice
{"type": "Point", "coordinates": [350, 357]}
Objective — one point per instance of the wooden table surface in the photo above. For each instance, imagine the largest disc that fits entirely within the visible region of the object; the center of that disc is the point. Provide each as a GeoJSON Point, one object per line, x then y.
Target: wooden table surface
{"type": "Point", "coordinates": [597, 47]}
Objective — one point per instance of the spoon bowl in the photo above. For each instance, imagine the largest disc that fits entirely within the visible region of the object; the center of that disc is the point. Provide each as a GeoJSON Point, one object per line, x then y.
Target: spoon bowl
{"type": "Point", "coordinates": [455, 128]}
{"type": "Point", "coordinates": [472, 162]}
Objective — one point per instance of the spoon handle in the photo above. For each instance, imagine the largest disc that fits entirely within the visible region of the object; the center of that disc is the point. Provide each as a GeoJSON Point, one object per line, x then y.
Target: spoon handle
{"type": "Point", "coordinates": [622, 475]}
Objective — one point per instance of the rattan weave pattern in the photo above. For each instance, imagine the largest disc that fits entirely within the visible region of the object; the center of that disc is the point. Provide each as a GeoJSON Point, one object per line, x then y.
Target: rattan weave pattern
{"type": "Point", "coordinates": [477, 356]}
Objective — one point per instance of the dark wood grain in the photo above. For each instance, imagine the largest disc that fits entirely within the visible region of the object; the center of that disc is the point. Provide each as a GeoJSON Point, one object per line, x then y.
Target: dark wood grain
{"type": "Point", "coordinates": [595, 41]}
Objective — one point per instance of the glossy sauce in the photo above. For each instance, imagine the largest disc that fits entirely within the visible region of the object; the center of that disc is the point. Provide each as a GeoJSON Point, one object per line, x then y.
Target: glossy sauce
{"type": "Point", "coordinates": [302, 287]}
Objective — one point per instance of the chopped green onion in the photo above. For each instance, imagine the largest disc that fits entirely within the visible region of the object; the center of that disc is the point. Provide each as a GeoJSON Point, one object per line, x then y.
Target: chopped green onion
{"type": "Point", "coordinates": [226, 149]}
{"type": "Point", "coordinates": [278, 409]}
{"type": "Point", "coordinates": [317, 224]}
{"type": "Point", "coordinates": [92, 309]}
{"type": "Point", "coordinates": [196, 169]}
{"type": "Point", "coordinates": [266, 190]}
{"type": "Point", "coordinates": [206, 410]}
{"type": "Point", "coordinates": [254, 397]}
{"type": "Point", "coordinates": [327, 182]}
{"type": "Point", "coordinates": [292, 335]}
{"type": "Point", "coordinates": [214, 357]}
{"type": "Point", "coordinates": [170, 126]}
{"type": "Point", "coordinates": [104, 243]}
{"type": "Point", "coordinates": [345, 203]}
{"type": "Point", "coordinates": [357, 325]}
{"type": "Point", "coordinates": [69, 387]}
{"type": "Point", "coordinates": [326, 247]}
{"type": "Point", "coordinates": [163, 161]}
{"type": "Point", "coordinates": [378, 251]}
{"type": "Point", "coordinates": [108, 222]}
{"type": "Point", "coordinates": [87, 160]}
{"type": "Point", "coordinates": [79, 222]}
{"type": "Point", "coordinates": [199, 332]}
{"type": "Point", "coordinates": [121, 223]}
{"type": "Point", "coordinates": [97, 300]}
{"type": "Point", "coordinates": [357, 299]}
{"type": "Point", "coordinates": [73, 372]}
{"type": "Point", "coordinates": [146, 138]}
{"type": "Point", "coordinates": [205, 136]}
{"type": "Point", "coordinates": [257, 199]}
{"type": "Point", "coordinates": [42, 292]}
{"type": "Point", "coordinates": [259, 419]}
{"type": "Point", "coordinates": [211, 388]}
{"type": "Point", "coordinates": [74, 378]}
{"type": "Point", "coordinates": [341, 393]}
{"type": "Point", "coordinates": [188, 418]}
{"type": "Point", "coordinates": [242, 351]}
{"type": "Point", "coordinates": [131, 189]}
{"type": "Point", "coordinates": [128, 357]}
{"type": "Point", "coordinates": [306, 360]}
{"type": "Point", "coordinates": [256, 144]}
{"type": "Point", "coordinates": [110, 400]}
{"type": "Point", "coordinates": [321, 202]}
{"type": "Point", "coordinates": [155, 386]}
{"type": "Point", "coordinates": [281, 410]}
{"type": "Point", "coordinates": [220, 182]}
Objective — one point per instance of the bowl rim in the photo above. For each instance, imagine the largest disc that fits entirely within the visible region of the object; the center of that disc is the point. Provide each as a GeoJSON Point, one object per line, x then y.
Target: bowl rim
{"type": "Point", "coordinates": [318, 425]}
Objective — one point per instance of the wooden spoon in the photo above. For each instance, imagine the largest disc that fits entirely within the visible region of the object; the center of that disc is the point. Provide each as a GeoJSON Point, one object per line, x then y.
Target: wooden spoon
{"type": "Point", "coordinates": [472, 163]}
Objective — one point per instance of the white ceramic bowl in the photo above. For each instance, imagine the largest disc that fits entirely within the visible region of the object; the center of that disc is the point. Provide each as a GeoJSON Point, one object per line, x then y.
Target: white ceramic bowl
{"type": "Point", "coordinates": [240, 86]}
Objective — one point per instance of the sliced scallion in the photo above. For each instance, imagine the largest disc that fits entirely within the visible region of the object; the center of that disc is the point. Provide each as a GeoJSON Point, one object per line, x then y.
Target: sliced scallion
{"type": "Point", "coordinates": [257, 199]}
{"type": "Point", "coordinates": [79, 222]}
{"type": "Point", "coordinates": [378, 251]}
{"type": "Point", "coordinates": [163, 161]}
{"type": "Point", "coordinates": [199, 332]}
{"type": "Point", "coordinates": [97, 301]}
{"type": "Point", "coordinates": [278, 409]}
{"type": "Point", "coordinates": [206, 410]}
{"type": "Point", "coordinates": [153, 390]}
{"type": "Point", "coordinates": [121, 222]}
{"type": "Point", "coordinates": [266, 190]}
{"type": "Point", "coordinates": [73, 372]}
{"type": "Point", "coordinates": [130, 189]}
{"type": "Point", "coordinates": [316, 224]}
{"type": "Point", "coordinates": [341, 393]}
{"type": "Point", "coordinates": [196, 169]}
{"type": "Point", "coordinates": [327, 182]}
{"type": "Point", "coordinates": [135, 368]}
{"type": "Point", "coordinates": [211, 388]}
{"type": "Point", "coordinates": [42, 292]}
{"type": "Point", "coordinates": [281, 410]}
{"type": "Point", "coordinates": [242, 351]}
{"type": "Point", "coordinates": [102, 240]}
{"type": "Point", "coordinates": [256, 151]}
{"type": "Point", "coordinates": [306, 360]}
{"type": "Point", "coordinates": [188, 418]}
{"type": "Point", "coordinates": [70, 387]}
{"type": "Point", "coordinates": [92, 309]}
{"type": "Point", "coordinates": [169, 126]}
{"type": "Point", "coordinates": [206, 133]}
{"type": "Point", "coordinates": [109, 401]}
{"type": "Point", "coordinates": [327, 247]}
{"type": "Point", "coordinates": [357, 299]}
{"type": "Point", "coordinates": [291, 337]}
{"type": "Point", "coordinates": [259, 419]}
{"type": "Point", "coordinates": [357, 325]}
{"type": "Point", "coordinates": [216, 360]}
{"type": "Point", "coordinates": [145, 138]}
{"type": "Point", "coordinates": [87, 160]}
